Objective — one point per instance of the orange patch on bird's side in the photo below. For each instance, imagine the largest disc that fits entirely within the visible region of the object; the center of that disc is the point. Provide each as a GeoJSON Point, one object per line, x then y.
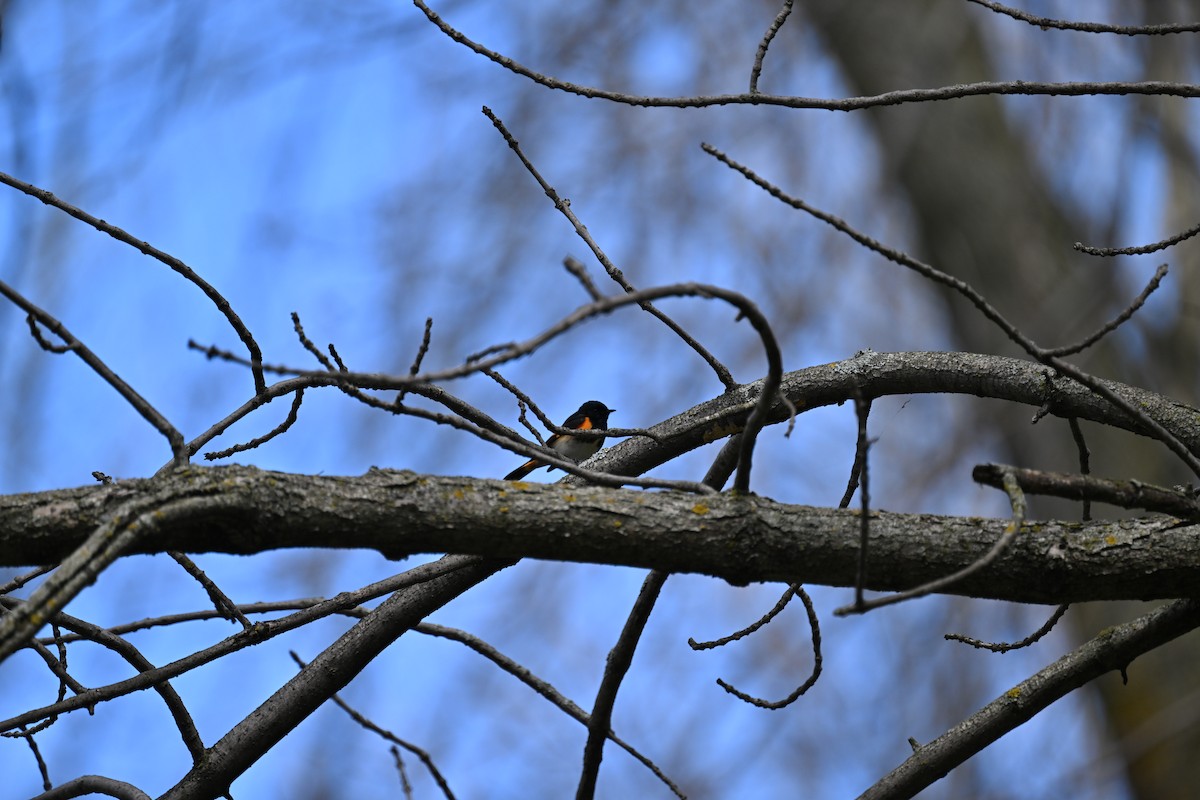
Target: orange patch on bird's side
{"type": "Point", "coordinates": [586, 425]}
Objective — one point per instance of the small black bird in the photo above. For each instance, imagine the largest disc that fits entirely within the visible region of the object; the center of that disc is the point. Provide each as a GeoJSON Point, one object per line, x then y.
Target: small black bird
{"type": "Point", "coordinates": [591, 416]}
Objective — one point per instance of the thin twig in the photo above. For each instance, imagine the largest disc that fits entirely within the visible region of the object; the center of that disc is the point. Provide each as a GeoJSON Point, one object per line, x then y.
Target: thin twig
{"type": "Point", "coordinates": [779, 606]}
{"type": "Point", "coordinates": [976, 299]}
{"type": "Point", "coordinates": [261, 730]}
{"type": "Point", "coordinates": [862, 410]}
{"type": "Point", "coordinates": [564, 206]}
{"type": "Point", "coordinates": [898, 97]}
{"type": "Point", "coordinates": [761, 53]}
{"type": "Point", "coordinates": [541, 687]}
{"type": "Point", "coordinates": [579, 270]}
{"type": "Point", "coordinates": [37, 756]}
{"type": "Point", "coordinates": [422, 351]}
{"type": "Point", "coordinates": [387, 735]}
{"type": "Point", "coordinates": [238, 641]}
{"type": "Point", "coordinates": [20, 580]}
{"type": "Point", "coordinates": [1089, 27]}
{"type": "Point", "coordinates": [815, 628]}
{"type": "Point", "coordinates": [1004, 647]}
{"type": "Point", "coordinates": [175, 264]}
{"type": "Point", "coordinates": [1116, 321]}
{"type": "Point", "coordinates": [1085, 461]}
{"type": "Point", "coordinates": [1016, 499]}
{"type": "Point", "coordinates": [221, 602]}
{"type": "Point", "coordinates": [179, 454]}
{"type": "Point", "coordinates": [292, 415]}
{"type": "Point", "coordinates": [1138, 250]}
{"type": "Point", "coordinates": [134, 657]}
{"type": "Point", "coordinates": [1113, 650]}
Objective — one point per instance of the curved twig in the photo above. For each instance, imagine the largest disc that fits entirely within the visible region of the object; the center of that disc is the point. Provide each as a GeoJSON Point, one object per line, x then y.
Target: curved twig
{"type": "Point", "coordinates": [898, 97]}
{"type": "Point", "coordinates": [94, 784]}
{"type": "Point", "coordinates": [1089, 27]}
{"type": "Point", "coordinates": [1004, 647]}
{"type": "Point", "coordinates": [761, 53]}
{"type": "Point", "coordinates": [774, 705]}
{"type": "Point", "coordinates": [1138, 250]}
{"type": "Point", "coordinates": [179, 454]}
{"type": "Point", "coordinates": [722, 372]}
{"type": "Point", "coordinates": [171, 261]}
{"type": "Point", "coordinates": [1016, 498]}
{"type": "Point", "coordinates": [501, 354]}
{"type": "Point", "coordinates": [1112, 650]}
{"type": "Point", "coordinates": [976, 299]}
{"type": "Point", "coordinates": [539, 686]}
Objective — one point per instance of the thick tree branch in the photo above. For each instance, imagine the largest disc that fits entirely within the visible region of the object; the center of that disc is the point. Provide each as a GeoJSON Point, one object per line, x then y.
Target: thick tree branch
{"type": "Point", "coordinates": [738, 538]}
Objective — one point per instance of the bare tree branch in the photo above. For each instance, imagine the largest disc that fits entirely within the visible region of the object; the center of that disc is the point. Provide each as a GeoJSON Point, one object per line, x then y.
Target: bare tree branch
{"type": "Point", "coordinates": [327, 674]}
{"type": "Point", "coordinates": [342, 603]}
{"type": "Point", "coordinates": [182, 269]}
{"type": "Point", "coordinates": [1123, 493]}
{"type": "Point", "coordinates": [1089, 27]}
{"type": "Point", "coordinates": [94, 784]}
{"type": "Point", "coordinates": [1139, 249]}
{"type": "Point", "coordinates": [564, 207]}
{"type": "Point", "coordinates": [136, 401]}
{"type": "Point", "coordinates": [734, 537]}
{"type": "Point", "coordinates": [1113, 650]}
{"type": "Point", "coordinates": [1173, 443]}
{"type": "Point", "coordinates": [776, 24]}
{"type": "Point", "coordinates": [942, 93]}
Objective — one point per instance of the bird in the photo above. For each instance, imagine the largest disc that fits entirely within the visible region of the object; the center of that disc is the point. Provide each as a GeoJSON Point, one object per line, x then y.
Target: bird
{"type": "Point", "coordinates": [592, 415]}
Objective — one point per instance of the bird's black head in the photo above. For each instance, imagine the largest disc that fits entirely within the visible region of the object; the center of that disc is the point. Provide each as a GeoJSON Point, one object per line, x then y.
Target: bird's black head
{"type": "Point", "coordinates": [598, 412]}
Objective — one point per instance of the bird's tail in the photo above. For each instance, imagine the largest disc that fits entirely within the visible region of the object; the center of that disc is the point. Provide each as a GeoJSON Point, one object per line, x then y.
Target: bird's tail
{"type": "Point", "coordinates": [523, 470]}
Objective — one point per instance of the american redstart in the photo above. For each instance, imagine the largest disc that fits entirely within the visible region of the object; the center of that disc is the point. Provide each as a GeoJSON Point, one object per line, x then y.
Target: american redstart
{"type": "Point", "coordinates": [591, 416]}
